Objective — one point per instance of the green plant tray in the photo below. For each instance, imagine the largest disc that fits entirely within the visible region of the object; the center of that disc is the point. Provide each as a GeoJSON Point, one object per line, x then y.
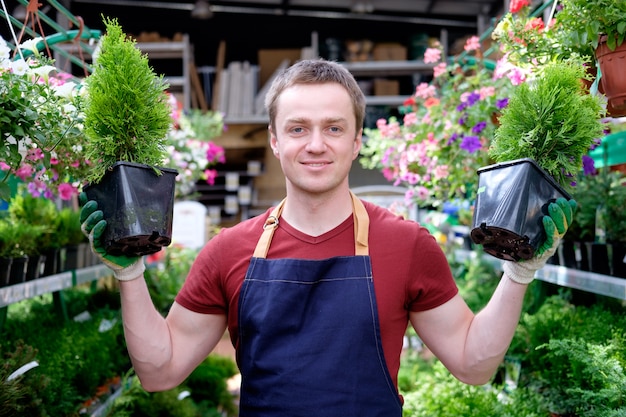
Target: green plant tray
{"type": "Point", "coordinates": [612, 151]}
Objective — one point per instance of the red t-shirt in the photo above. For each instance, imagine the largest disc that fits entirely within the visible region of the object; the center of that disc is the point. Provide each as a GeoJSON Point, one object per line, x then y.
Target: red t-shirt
{"type": "Point", "coordinates": [410, 271]}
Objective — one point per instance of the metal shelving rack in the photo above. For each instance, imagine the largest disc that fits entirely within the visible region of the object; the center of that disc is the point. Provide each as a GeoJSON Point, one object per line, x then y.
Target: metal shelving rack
{"type": "Point", "coordinates": [53, 283]}
{"type": "Point", "coordinates": [591, 282]}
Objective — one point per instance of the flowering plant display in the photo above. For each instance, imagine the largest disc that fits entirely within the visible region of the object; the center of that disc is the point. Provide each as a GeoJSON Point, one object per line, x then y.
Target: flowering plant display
{"type": "Point", "coordinates": [190, 149]}
{"type": "Point", "coordinates": [523, 36]}
{"type": "Point", "coordinates": [446, 129]}
{"type": "Point", "coordinates": [531, 43]}
{"type": "Point", "coordinates": [40, 124]}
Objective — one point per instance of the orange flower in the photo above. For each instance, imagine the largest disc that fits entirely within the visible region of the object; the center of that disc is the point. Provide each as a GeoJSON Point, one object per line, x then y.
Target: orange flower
{"type": "Point", "coordinates": [431, 101]}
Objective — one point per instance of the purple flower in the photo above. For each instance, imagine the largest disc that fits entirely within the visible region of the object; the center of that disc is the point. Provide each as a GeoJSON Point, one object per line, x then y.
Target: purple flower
{"type": "Point", "coordinates": [461, 107]}
{"type": "Point", "coordinates": [470, 143]}
{"type": "Point", "coordinates": [453, 138]}
{"type": "Point", "coordinates": [463, 119]}
{"type": "Point", "coordinates": [596, 142]}
{"type": "Point", "coordinates": [479, 127]}
{"type": "Point", "coordinates": [589, 167]}
{"type": "Point", "coordinates": [473, 98]}
{"type": "Point", "coordinates": [502, 103]}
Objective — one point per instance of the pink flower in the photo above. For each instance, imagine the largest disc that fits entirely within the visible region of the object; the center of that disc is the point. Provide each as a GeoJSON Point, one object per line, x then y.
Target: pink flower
{"type": "Point", "coordinates": [432, 55]}
{"type": "Point", "coordinates": [485, 92]}
{"type": "Point", "coordinates": [215, 153]}
{"type": "Point", "coordinates": [517, 76]}
{"type": "Point", "coordinates": [410, 118]}
{"type": "Point", "coordinates": [66, 191]}
{"type": "Point", "coordinates": [534, 24]}
{"type": "Point", "coordinates": [441, 171]}
{"type": "Point", "coordinates": [425, 90]}
{"type": "Point", "coordinates": [472, 44]}
{"type": "Point", "coordinates": [4, 166]}
{"type": "Point", "coordinates": [210, 175]}
{"type": "Point", "coordinates": [24, 171]}
{"type": "Point", "coordinates": [440, 69]}
{"type": "Point", "coordinates": [34, 154]}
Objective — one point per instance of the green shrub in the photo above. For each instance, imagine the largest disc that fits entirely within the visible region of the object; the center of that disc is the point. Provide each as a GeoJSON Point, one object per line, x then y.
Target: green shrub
{"type": "Point", "coordinates": [74, 357]}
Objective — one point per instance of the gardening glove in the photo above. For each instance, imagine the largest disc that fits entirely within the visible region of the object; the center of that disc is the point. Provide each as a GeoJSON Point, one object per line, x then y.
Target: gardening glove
{"type": "Point", "coordinates": [92, 223]}
{"type": "Point", "coordinates": [555, 224]}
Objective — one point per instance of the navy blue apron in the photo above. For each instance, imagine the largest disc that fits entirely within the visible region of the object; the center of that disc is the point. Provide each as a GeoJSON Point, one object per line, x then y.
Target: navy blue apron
{"type": "Point", "coordinates": [309, 336]}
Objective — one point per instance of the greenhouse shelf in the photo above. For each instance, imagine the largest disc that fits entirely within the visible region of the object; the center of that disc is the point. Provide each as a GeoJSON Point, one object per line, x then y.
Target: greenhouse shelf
{"type": "Point", "coordinates": [583, 280]}
{"type": "Point", "coordinates": [600, 284]}
{"type": "Point", "coordinates": [53, 283]}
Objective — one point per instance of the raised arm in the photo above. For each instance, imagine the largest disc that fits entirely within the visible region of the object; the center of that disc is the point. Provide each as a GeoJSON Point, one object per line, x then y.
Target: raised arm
{"type": "Point", "coordinates": [163, 350]}
{"type": "Point", "coordinates": [473, 346]}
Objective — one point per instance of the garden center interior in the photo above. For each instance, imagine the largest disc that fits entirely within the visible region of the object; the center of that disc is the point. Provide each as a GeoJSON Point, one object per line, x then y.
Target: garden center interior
{"type": "Point", "coordinates": [218, 58]}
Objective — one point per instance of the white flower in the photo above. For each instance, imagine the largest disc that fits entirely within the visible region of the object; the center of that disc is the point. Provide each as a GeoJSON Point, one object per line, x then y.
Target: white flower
{"type": "Point", "coordinates": [5, 51]}
{"type": "Point", "coordinates": [43, 71]}
{"type": "Point", "coordinates": [66, 90]}
{"type": "Point", "coordinates": [19, 67]}
{"type": "Point", "coordinates": [31, 45]}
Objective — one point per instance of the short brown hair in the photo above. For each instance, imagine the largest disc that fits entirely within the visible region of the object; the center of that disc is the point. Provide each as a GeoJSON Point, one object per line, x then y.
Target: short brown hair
{"type": "Point", "coordinates": [316, 71]}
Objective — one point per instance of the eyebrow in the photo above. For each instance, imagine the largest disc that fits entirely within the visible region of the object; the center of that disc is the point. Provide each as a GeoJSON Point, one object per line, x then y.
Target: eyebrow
{"type": "Point", "coordinates": [326, 120]}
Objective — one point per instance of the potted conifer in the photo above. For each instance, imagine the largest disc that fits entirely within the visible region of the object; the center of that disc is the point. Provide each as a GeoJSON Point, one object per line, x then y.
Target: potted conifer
{"type": "Point", "coordinates": [127, 117]}
{"type": "Point", "coordinates": [548, 125]}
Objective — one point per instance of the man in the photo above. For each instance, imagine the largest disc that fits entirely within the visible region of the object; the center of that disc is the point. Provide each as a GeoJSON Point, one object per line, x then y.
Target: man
{"type": "Point", "coordinates": [317, 292]}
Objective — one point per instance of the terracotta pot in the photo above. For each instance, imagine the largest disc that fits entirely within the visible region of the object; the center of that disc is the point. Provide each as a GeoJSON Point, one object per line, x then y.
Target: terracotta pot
{"type": "Point", "coordinates": [612, 64]}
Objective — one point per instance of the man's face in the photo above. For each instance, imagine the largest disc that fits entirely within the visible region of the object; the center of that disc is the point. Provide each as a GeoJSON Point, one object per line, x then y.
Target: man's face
{"type": "Point", "coordinates": [315, 137]}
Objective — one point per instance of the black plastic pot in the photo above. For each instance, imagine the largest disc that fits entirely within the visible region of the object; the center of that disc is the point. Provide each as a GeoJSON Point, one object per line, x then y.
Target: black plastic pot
{"type": "Point", "coordinates": [138, 205]}
{"type": "Point", "coordinates": [511, 201]}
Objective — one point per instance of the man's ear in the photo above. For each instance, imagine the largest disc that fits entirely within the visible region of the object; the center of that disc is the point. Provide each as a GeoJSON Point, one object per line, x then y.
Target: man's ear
{"type": "Point", "coordinates": [273, 143]}
{"type": "Point", "coordinates": [358, 143]}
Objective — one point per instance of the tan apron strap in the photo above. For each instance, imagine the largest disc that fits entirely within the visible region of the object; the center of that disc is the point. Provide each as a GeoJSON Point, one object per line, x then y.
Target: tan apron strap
{"type": "Point", "coordinates": [361, 226]}
{"type": "Point", "coordinates": [361, 229]}
{"type": "Point", "coordinates": [271, 223]}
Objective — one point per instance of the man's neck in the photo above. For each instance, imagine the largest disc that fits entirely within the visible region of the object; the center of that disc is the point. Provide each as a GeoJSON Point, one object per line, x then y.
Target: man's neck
{"type": "Point", "coordinates": [316, 214]}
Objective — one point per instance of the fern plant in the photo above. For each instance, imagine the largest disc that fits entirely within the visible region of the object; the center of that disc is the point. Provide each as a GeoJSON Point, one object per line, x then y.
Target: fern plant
{"type": "Point", "coordinates": [552, 120]}
{"type": "Point", "coordinates": [127, 114]}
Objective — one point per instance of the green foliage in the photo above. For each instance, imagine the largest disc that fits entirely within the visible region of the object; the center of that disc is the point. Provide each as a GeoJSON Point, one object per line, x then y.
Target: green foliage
{"type": "Point", "coordinates": [127, 115]}
{"type": "Point", "coordinates": [477, 279]}
{"type": "Point", "coordinates": [38, 211]}
{"type": "Point", "coordinates": [605, 189]}
{"type": "Point", "coordinates": [585, 347]}
{"type": "Point", "coordinates": [18, 237]}
{"type": "Point", "coordinates": [202, 394]}
{"type": "Point", "coordinates": [21, 396]}
{"type": "Point", "coordinates": [74, 357]}
{"type": "Point", "coordinates": [440, 394]}
{"type": "Point", "coordinates": [165, 279]}
{"type": "Point", "coordinates": [552, 120]}
{"type": "Point", "coordinates": [68, 229]}
{"type": "Point", "coordinates": [204, 125]}
{"type": "Point", "coordinates": [137, 402]}
{"type": "Point", "coordinates": [581, 22]}
{"type": "Point", "coordinates": [207, 383]}
{"type": "Point", "coordinates": [584, 377]}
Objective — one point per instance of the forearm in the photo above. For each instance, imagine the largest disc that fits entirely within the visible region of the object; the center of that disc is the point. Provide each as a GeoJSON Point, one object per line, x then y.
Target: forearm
{"type": "Point", "coordinates": [492, 330]}
{"type": "Point", "coordinates": [146, 332]}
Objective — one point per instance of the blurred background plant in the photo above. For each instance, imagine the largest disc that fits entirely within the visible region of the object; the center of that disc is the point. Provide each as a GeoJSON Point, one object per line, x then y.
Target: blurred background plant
{"type": "Point", "coordinates": [446, 128]}
{"type": "Point", "coordinates": [191, 149]}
